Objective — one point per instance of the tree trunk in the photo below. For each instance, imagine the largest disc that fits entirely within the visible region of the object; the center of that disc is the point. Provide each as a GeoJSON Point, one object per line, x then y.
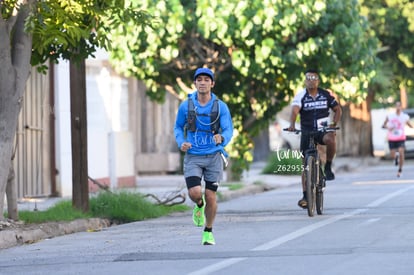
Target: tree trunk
{"type": "Point", "coordinates": [355, 135]}
{"type": "Point", "coordinates": [11, 193]}
{"type": "Point", "coordinates": [15, 54]}
{"type": "Point", "coordinates": [80, 190]}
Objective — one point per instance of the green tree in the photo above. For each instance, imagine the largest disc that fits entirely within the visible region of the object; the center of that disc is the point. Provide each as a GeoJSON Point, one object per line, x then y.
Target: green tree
{"type": "Point", "coordinates": [393, 23]}
{"type": "Point", "coordinates": [258, 50]}
{"type": "Point", "coordinates": [33, 32]}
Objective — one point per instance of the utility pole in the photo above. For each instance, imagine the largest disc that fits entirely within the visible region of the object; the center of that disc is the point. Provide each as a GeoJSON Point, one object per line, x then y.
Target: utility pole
{"type": "Point", "coordinates": [80, 190]}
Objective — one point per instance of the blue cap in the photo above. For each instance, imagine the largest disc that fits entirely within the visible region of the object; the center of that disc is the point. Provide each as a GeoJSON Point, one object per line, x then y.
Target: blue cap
{"type": "Point", "coordinates": [204, 71]}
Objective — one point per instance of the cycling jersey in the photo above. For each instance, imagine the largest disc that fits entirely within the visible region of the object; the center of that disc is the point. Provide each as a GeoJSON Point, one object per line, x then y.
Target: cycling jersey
{"type": "Point", "coordinates": [314, 110]}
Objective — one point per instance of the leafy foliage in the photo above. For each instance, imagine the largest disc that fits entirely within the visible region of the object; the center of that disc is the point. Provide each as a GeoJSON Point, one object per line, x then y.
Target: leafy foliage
{"type": "Point", "coordinates": [74, 30]}
{"type": "Point", "coordinates": [259, 51]}
{"type": "Point", "coordinates": [393, 23]}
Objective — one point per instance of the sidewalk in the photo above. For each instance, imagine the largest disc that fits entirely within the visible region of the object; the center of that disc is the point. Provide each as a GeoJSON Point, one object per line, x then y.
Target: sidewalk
{"type": "Point", "coordinates": [164, 185]}
{"type": "Point", "coordinates": [254, 181]}
{"type": "Point", "coordinates": [161, 186]}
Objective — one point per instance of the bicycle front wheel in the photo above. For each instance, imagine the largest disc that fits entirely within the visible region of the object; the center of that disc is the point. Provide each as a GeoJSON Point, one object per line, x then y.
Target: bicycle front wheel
{"type": "Point", "coordinates": [319, 191]}
{"type": "Point", "coordinates": [310, 179]}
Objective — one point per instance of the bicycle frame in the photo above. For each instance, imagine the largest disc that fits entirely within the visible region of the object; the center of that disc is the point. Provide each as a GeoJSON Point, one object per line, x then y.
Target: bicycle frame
{"type": "Point", "coordinates": [314, 177]}
{"type": "Point", "coordinates": [313, 174]}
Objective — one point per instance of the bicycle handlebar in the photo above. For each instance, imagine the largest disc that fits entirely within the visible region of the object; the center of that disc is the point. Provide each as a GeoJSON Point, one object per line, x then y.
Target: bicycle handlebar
{"type": "Point", "coordinates": [323, 129]}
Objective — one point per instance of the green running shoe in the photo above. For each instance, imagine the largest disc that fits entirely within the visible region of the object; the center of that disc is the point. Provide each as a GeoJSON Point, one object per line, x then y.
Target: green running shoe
{"type": "Point", "coordinates": [208, 238]}
{"type": "Point", "coordinates": [198, 214]}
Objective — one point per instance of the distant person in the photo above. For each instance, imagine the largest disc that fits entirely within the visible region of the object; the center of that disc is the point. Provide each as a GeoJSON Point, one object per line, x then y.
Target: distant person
{"type": "Point", "coordinates": [203, 127]}
{"type": "Point", "coordinates": [395, 123]}
{"type": "Point", "coordinates": [313, 105]}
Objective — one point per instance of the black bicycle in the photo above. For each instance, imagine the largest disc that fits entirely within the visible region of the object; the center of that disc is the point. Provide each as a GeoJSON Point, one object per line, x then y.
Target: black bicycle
{"type": "Point", "coordinates": [313, 174]}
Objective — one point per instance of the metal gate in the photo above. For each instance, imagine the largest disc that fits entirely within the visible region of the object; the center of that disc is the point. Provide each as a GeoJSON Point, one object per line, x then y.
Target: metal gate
{"type": "Point", "coordinates": [32, 160]}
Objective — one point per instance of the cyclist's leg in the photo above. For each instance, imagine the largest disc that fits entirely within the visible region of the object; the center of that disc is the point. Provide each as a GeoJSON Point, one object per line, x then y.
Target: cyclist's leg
{"type": "Point", "coordinates": [329, 139]}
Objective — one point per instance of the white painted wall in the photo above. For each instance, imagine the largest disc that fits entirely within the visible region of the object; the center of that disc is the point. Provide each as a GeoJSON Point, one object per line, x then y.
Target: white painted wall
{"type": "Point", "coordinates": [379, 135]}
{"type": "Point", "coordinates": [110, 143]}
{"type": "Point", "coordinates": [62, 130]}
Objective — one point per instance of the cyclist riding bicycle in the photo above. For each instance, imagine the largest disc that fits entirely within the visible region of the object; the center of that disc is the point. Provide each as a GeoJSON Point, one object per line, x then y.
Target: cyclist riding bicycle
{"type": "Point", "coordinates": [313, 105]}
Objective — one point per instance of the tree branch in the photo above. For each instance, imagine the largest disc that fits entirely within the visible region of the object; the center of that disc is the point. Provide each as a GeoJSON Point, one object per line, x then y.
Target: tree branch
{"type": "Point", "coordinates": [170, 200]}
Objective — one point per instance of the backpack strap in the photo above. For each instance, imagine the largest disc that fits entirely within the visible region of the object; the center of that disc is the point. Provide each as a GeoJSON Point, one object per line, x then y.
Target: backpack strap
{"type": "Point", "coordinates": [214, 116]}
{"type": "Point", "coordinates": [191, 116]}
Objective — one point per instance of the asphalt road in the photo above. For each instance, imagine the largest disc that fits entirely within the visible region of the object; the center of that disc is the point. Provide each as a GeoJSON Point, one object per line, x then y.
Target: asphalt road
{"type": "Point", "coordinates": [367, 228]}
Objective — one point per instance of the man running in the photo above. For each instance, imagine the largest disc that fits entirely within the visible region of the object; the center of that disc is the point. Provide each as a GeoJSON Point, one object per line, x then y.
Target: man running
{"type": "Point", "coordinates": [395, 124]}
{"type": "Point", "coordinates": [202, 129]}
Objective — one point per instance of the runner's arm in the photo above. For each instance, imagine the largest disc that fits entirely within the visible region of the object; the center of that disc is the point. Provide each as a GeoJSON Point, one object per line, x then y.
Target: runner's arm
{"type": "Point", "coordinates": [180, 122]}
{"type": "Point", "coordinates": [384, 125]}
{"type": "Point", "coordinates": [226, 124]}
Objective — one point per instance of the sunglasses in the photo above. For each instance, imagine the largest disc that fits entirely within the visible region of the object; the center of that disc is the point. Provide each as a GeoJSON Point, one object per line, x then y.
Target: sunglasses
{"type": "Point", "coordinates": [312, 77]}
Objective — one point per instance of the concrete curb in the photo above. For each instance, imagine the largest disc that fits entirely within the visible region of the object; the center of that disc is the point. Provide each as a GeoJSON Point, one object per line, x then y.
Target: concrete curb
{"type": "Point", "coordinates": [250, 190]}
{"type": "Point", "coordinates": [18, 236]}
{"type": "Point", "coordinates": [247, 190]}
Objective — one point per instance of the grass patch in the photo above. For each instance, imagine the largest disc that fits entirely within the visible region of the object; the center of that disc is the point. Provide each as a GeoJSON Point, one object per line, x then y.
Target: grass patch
{"type": "Point", "coordinates": [122, 207]}
{"type": "Point", "coordinates": [61, 211]}
{"type": "Point", "coordinates": [231, 186]}
{"type": "Point", "coordinates": [284, 162]}
{"type": "Point", "coordinates": [128, 207]}
{"type": "Point", "coordinates": [234, 186]}
{"type": "Point", "coordinates": [258, 182]}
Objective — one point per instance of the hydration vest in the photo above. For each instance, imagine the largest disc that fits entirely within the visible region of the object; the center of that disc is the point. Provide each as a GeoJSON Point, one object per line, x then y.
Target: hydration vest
{"type": "Point", "coordinates": [214, 119]}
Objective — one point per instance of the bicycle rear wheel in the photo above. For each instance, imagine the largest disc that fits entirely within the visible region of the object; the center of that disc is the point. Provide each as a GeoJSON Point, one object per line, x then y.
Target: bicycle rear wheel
{"type": "Point", "coordinates": [310, 179]}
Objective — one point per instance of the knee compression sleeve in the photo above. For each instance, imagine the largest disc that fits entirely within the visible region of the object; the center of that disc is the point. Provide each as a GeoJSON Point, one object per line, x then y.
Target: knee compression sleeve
{"type": "Point", "coordinates": [192, 181]}
{"type": "Point", "coordinates": [213, 186]}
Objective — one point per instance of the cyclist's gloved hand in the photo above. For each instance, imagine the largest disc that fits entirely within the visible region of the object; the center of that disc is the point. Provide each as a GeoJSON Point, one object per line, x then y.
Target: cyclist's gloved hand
{"type": "Point", "coordinates": [290, 129]}
{"type": "Point", "coordinates": [324, 123]}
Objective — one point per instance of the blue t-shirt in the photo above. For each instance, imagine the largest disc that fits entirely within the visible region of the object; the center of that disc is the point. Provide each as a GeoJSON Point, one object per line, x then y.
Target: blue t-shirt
{"type": "Point", "coordinates": [201, 139]}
